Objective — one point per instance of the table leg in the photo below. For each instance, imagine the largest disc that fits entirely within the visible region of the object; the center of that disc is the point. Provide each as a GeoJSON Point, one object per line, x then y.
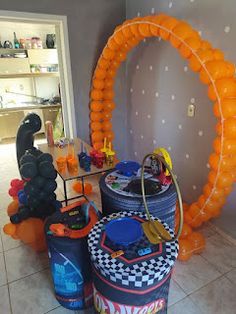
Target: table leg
{"type": "Point", "coordinates": [65, 192]}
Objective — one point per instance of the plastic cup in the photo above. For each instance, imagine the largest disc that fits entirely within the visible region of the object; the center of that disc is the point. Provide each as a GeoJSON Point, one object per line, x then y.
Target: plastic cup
{"type": "Point", "coordinates": [61, 164]}
{"type": "Point", "coordinates": [72, 165]}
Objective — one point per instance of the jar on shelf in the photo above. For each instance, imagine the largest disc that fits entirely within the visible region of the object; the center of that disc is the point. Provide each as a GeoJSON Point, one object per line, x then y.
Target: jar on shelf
{"type": "Point", "coordinates": [28, 44]}
{"type": "Point", "coordinates": [22, 43]}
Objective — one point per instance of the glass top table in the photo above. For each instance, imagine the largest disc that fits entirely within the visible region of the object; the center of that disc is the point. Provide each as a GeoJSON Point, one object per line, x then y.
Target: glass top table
{"type": "Point", "coordinates": [81, 173]}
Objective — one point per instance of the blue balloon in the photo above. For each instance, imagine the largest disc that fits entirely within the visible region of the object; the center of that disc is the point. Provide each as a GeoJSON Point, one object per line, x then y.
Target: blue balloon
{"type": "Point", "coordinates": [22, 197]}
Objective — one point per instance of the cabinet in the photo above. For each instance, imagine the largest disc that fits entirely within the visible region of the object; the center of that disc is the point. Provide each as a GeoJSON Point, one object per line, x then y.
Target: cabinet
{"type": "Point", "coordinates": [9, 123]}
{"type": "Point", "coordinates": [14, 66]}
{"type": "Point", "coordinates": [50, 114]}
{"type": "Point", "coordinates": [42, 56]}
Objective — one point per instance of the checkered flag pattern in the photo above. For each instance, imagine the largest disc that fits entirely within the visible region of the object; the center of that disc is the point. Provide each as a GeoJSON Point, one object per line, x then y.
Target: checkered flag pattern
{"type": "Point", "coordinates": [133, 274]}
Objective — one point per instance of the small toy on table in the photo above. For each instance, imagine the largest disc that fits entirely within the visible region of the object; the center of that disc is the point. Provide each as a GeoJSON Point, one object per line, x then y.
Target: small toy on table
{"type": "Point", "coordinates": [72, 162]}
{"type": "Point", "coordinates": [99, 159]}
{"type": "Point", "coordinates": [110, 154]}
{"type": "Point", "coordinates": [84, 159]}
{"type": "Point", "coordinates": [105, 148]}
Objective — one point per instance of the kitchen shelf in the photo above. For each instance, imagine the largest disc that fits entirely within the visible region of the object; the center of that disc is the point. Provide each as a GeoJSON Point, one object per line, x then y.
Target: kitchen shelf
{"type": "Point", "coordinates": [18, 75]}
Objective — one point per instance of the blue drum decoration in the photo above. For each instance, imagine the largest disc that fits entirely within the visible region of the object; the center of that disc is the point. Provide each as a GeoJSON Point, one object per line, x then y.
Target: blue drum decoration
{"type": "Point", "coordinates": [66, 234]}
{"type": "Point", "coordinates": [120, 192]}
{"type": "Point", "coordinates": [130, 274]}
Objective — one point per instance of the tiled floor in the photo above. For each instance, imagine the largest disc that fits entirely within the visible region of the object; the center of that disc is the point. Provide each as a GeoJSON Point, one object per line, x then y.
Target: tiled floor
{"type": "Point", "coordinates": [203, 285]}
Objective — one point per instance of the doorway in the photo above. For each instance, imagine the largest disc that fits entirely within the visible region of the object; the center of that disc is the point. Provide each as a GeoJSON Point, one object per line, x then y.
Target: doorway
{"type": "Point", "coordinates": [44, 84]}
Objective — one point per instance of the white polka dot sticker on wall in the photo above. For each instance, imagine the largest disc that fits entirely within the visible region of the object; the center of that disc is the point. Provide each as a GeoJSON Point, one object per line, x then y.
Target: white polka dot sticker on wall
{"type": "Point", "coordinates": [166, 68]}
{"type": "Point", "coordinates": [227, 29]}
{"type": "Point", "coordinates": [187, 156]}
{"type": "Point", "coordinates": [170, 5]}
{"type": "Point", "coordinates": [200, 133]}
{"type": "Point", "coordinates": [163, 121]}
{"type": "Point", "coordinates": [194, 187]}
{"type": "Point", "coordinates": [192, 100]}
{"type": "Point", "coordinates": [208, 166]}
{"type": "Point", "coordinates": [156, 94]}
{"type": "Point", "coordinates": [142, 137]}
{"type": "Point", "coordinates": [172, 97]}
{"type": "Point", "coordinates": [131, 131]}
{"type": "Point", "coordinates": [144, 40]}
{"type": "Point", "coordinates": [137, 67]}
{"type": "Point", "coordinates": [159, 38]}
{"type": "Point", "coordinates": [154, 142]}
{"type": "Point", "coordinates": [200, 33]}
{"type": "Point", "coordinates": [149, 116]}
{"type": "Point", "coordinates": [169, 148]}
{"type": "Point", "coordinates": [135, 153]}
{"type": "Point", "coordinates": [136, 113]}
{"type": "Point", "coordinates": [185, 68]}
{"type": "Point", "coordinates": [153, 10]}
{"type": "Point", "coordinates": [180, 126]}
{"type": "Point", "coordinates": [143, 91]}
{"type": "Point", "coordinates": [150, 67]}
{"type": "Point", "coordinates": [138, 14]}
{"type": "Point", "coordinates": [192, 0]}
{"type": "Point", "coordinates": [131, 90]}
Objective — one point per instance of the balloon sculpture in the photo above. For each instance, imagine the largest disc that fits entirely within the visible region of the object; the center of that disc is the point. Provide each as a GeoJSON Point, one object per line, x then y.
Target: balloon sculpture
{"type": "Point", "coordinates": [33, 196]}
{"type": "Point", "coordinates": [214, 71]}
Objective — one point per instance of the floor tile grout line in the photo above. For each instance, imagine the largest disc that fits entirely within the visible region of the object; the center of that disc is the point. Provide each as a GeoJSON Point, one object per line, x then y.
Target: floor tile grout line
{"type": "Point", "coordinates": [8, 288]}
{"type": "Point", "coordinates": [36, 272]}
{"type": "Point", "coordinates": [211, 264]}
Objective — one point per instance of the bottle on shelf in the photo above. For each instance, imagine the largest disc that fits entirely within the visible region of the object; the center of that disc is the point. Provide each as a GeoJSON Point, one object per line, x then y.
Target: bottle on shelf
{"type": "Point", "coordinates": [16, 42]}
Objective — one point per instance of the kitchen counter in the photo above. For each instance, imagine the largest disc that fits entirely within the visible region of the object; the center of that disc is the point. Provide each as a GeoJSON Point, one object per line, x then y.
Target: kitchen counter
{"type": "Point", "coordinates": [29, 107]}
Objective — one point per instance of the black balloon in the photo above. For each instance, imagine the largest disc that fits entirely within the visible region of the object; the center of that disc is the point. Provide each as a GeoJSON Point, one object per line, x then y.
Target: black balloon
{"type": "Point", "coordinates": [28, 158]}
{"type": "Point", "coordinates": [45, 157]}
{"type": "Point", "coordinates": [47, 170]}
{"type": "Point", "coordinates": [28, 170]}
{"type": "Point", "coordinates": [50, 186]}
{"type": "Point", "coordinates": [39, 181]}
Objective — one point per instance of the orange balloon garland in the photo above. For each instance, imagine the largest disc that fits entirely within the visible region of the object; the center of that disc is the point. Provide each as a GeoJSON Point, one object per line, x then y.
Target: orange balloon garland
{"type": "Point", "coordinates": [214, 71]}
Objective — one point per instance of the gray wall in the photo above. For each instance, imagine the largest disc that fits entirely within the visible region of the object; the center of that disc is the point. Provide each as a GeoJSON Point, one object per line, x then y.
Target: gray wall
{"type": "Point", "coordinates": [90, 23]}
{"type": "Point", "coordinates": [161, 119]}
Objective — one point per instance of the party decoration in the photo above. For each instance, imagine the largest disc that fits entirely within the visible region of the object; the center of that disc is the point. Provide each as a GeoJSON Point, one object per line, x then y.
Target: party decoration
{"type": "Point", "coordinates": [214, 71]}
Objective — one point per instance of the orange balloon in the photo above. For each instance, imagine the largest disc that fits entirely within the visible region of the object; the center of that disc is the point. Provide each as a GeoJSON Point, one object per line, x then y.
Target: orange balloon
{"type": "Point", "coordinates": [230, 128]}
{"type": "Point", "coordinates": [217, 69]}
{"type": "Point", "coordinates": [120, 56]}
{"type": "Point", "coordinates": [95, 116]}
{"type": "Point", "coordinates": [31, 230]}
{"type": "Point", "coordinates": [134, 27]}
{"type": "Point", "coordinates": [96, 94]}
{"type": "Point", "coordinates": [111, 73]}
{"type": "Point", "coordinates": [103, 63]}
{"type": "Point", "coordinates": [205, 45]}
{"type": "Point", "coordinates": [133, 42]}
{"type": "Point", "coordinates": [182, 30]}
{"type": "Point", "coordinates": [108, 94]}
{"type": "Point", "coordinates": [215, 193]}
{"type": "Point", "coordinates": [156, 21]}
{"type": "Point", "coordinates": [229, 146]}
{"type": "Point", "coordinates": [88, 188]}
{"type": "Point", "coordinates": [98, 145]}
{"type": "Point", "coordinates": [100, 73]}
{"type": "Point", "coordinates": [116, 63]}
{"type": "Point", "coordinates": [185, 250]}
{"type": "Point", "coordinates": [112, 44]}
{"type": "Point", "coordinates": [228, 107]}
{"type": "Point", "coordinates": [169, 23]}
{"type": "Point", "coordinates": [96, 126]}
{"type": "Point", "coordinates": [108, 105]}
{"type": "Point", "coordinates": [144, 30]}
{"type": "Point", "coordinates": [96, 106]}
{"type": "Point", "coordinates": [197, 241]}
{"type": "Point", "coordinates": [203, 56]}
{"type": "Point", "coordinates": [77, 187]}
{"type": "Point", "coordinates": [9, 229]}
{"type": "Point", "coordinates": [98, 84]}
{"type": "Point", "coordinates": [201, 201]}
{"type": "Point", "coordinates": [126, 31]}
{"type": "Point", "coordinates": [119, 37]}
{"type": "Point", "coordinates": [224, 179]}
{"type": "Point", "coordinates": [187, 218]}
{"type": "Point", "coordinates": [228, 189]}
{"type": "Point", "coordinates": [226, 87]}
{"type": "Point", "coordinates": [191, 42]}
{"type": "Point", "coordinates": [108, 83]}
{"type": "Point", "coordinates": [12, 208]}
{"type": "Point", "coordinates": [194, 211]}
{"type": "Point", "coordinates": [106, 115]}
{"type": "Point", "coordinates": [214, 161]}
{"type": "Point", "coordinates": [97, 136]}
{"type": "Point", "coordinates": [218, 54]}
{"type": "Point", "coordinates": [187, 230]}
{"type": "Point", "coordinates": [212, 177]}
{"type": "Point", "coordinates": [212, 207]}
{"type": "Point", "coordinates": [109, 135]}
{"type": "Point", "coordinates": [108, 53]}
{"type": "Point", "coordinates": [106, 126]}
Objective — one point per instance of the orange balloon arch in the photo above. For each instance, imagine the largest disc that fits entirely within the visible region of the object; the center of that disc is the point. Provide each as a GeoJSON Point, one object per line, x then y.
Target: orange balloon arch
{"type": "Point", "coordinates": [213, 71]}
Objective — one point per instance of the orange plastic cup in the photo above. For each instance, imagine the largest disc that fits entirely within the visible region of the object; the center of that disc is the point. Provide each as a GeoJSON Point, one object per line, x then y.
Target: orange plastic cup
{"type": "Point", "coordinates": [72, 165]}
{"type": "Point", "coordinates": [61, 164]}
